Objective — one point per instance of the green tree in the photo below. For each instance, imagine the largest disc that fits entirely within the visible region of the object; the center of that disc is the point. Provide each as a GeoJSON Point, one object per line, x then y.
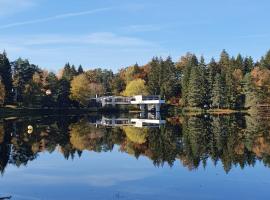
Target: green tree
{"type": "Point", "coordinates": [230, 90]}
{"type": "Point", "coordinates": [118, 84]}
{"type": "Point", "coordinates": [6, 74]}
{"type": "Point", "coordinates": [248, 65]}
{"type": "Point", "coordinates": [22, 75]}
{"type": "Point", "coordinates": [239, 62]}
{"type": "Point", "coordinates": [250, 91]}
{"type": "Point", "coordinates": [164, 78]}
{"type": "Point", "coordinates": [80, 70]}
{"type": "Point", "coordinates": [192, 62]}
{"type": "Point", "coordinates": [63, 92]}
{"type": "Point", "coordinates": [68, 72]}
{"type": "Point", "coordinates": [196, 88]}
{"type": "Point", "coordinates": [265, 62]}
{"type": "Point", "coordinates": [218, 97]}
{"type": "Point", "coordinates": [212, 70]}
{"type": "Point", "coordinates": [226, 71]}
{"type": "Point", "coordinates": [2, 92]}
{"type": "Point", "coordinates": [155, 77]}
{"type": "Point", "coordinates": [224, 60]}
{"type": "Point", "coordinates": [170, 84]}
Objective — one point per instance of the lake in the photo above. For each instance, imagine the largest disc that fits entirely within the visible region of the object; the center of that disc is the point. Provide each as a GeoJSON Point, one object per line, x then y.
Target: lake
{"type": "Point", "coordinates": [130, 158]}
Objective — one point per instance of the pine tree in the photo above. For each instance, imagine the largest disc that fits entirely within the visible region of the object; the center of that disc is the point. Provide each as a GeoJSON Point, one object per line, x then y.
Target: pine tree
{"type": "Point", "coordinates": [6, 74]}
{"type": "Point", "coordinates": [69, 72]}
{"type": "Point", "coordinates": [2, 92]}
{"type": "Point", "coordinates": [218, 96]}
{"type": "Point", "coordinates": [250, 91]}
{"type": "Point", "coordinates": [226, 65]}
{"type": "Point", "coordinates": [155, 77]}
{"type": "Point", "coordinates": [265, 62]}
{"type": "Point", "coordinates": [224, 61]}
{"type": "Point", "coordinates": [212, 70]}
{"type": "Point", "coordinates": [205, 88]}
{"type": "Point", "coordinates": [248, 65]}
{"type": "Point", "coordinates": [195, 88]}
{"type": "Point", "coordinates": [23, 73]}
{"type": "Point", "coordinates": [191, 63]}
{"type": "Point", "coordinates": [80, 70]}
{"type": "Point", "coordinates": [230, 90]}
{"type": "Point", "coordinates": [169, 80]}
{"type": "Point", "coordinates": [239, 62]}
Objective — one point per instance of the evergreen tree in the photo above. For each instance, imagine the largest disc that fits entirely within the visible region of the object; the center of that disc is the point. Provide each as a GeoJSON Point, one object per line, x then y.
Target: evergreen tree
{"type": "Point", "coordinates": [2, 92]}
{"type": "Point", "coordinates": [80, 70]}
{"type": "Point", "coordinates": [224, 61]}
{"type": "Point", "coordinates": [63, 93]}
{"type": "Point", "coordinates": [118, 85]}
{"type": "Point", "coordinates": [239, 62]}
{"type": "Point", "coordinates": [265, 62]}
{"type": "Point", "coordinates": [69, 72]}
{"type": "Point", "coordinates": [169, 83]}
{"type": "Point", "coordinates": [250, 91]}
{"type": "Point", "coordinates": [196, 88]}
{"type": "Point", "coordinates": [205, 88]}
{"type": "Point", "coordinates": [212, 71]}
{"type": "Point", "coordinates": [23, 73]}
{"type": "Point", "coordinates": [226, 73]}
{"type": "Point", "coordinates": [248, 65]}
{"type": "Point", "coordinates": [155, 77]}
{"type": "Point", "coordinates": [191, 63]}
{"type": "Point", "coordinates": [230, 90]}
{"type": "Point", "coordinates": [218, 96]}
{"type": "Point", "coordinates": [6, 74]}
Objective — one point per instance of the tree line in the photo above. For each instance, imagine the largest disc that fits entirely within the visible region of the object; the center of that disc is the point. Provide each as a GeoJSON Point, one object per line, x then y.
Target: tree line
{"type": "Point", "coordinates": [226, 83]}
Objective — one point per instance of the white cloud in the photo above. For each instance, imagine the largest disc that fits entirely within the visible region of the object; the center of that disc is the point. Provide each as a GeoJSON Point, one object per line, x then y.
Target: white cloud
{"type": "Point", "coordinates": [142, 28]}
{"type": "Point", "coordinates": [55, 17]}
{"type": "Point", "coordinates": [99, 38]}
{"type": "Point", "coordinates": [13, 6]}
{"type": "Point", "coordinates": [51, 51]}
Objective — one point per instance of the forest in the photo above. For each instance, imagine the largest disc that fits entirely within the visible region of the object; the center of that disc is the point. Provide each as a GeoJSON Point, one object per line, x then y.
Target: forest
{"type": "Point", "coordinates": [228, 82]}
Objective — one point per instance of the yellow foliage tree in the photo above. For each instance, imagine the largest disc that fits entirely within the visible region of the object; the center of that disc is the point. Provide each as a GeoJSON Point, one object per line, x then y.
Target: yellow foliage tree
{"type": "Point", "coordinates": [82, 89]}
{"type": "Point", "coordinates": [136, 87]}
{"type": "Point", "coordinates": [136, 135]}
{"type": "Point", "coordinates": [85, 136]}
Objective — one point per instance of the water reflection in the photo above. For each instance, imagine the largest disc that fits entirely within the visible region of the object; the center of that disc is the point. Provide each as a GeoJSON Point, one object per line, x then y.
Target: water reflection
{"type": "Point", "coordinates": [192, 141]}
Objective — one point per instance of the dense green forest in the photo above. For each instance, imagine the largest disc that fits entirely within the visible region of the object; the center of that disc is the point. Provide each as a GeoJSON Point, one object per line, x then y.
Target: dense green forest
{"type": "Point", "coordinates": [225, 83]}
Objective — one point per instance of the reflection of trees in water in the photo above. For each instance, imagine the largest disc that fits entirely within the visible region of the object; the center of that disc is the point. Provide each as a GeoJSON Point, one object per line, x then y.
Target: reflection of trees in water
{"type": "Point", "coordinates": [4, 147]}
{"type": "Point", "coordinates": [229, 139]}
{"type": "Point", "coordinates": [194, 140]}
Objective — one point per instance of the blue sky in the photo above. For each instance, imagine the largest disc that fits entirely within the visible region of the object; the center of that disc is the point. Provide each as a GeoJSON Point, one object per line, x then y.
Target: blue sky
{"type": "Point", "coordinates": [117, 33]}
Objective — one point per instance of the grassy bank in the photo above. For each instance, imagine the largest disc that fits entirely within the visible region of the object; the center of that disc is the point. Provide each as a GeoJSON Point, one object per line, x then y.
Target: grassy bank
{"type": "Point", "coordinates": [199, 111]}
{"type": "Point", "coordinates": [10, 111]}
{"type": "Point", "coordinates": [13, 111]}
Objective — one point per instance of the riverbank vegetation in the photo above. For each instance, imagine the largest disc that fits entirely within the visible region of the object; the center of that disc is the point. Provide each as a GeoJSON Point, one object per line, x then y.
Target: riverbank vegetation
{"type": "Point", "coordinates": [228, 83]}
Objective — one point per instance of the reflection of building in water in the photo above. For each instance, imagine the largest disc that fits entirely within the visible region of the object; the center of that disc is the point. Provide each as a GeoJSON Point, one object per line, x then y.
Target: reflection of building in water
{"type": "Point", "coordinates": [136, 122]}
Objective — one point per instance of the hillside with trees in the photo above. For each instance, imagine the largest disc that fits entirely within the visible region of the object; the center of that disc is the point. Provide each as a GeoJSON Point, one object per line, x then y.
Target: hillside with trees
{"type": "Point", "coordinates": [229, 82]}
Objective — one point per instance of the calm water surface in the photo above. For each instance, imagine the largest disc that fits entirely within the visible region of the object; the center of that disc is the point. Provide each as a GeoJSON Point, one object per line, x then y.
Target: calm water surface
{"type": "Point", "coordinates": [203, 157]}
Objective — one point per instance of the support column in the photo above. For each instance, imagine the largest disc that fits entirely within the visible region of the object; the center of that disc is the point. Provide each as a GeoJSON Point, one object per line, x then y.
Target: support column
{"type": "Point", "coordinates": [142, 107]}
{"type": "Point", "coordinates": [113, 101]}
{"type": "Point", "coordinates": [157, 107]}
